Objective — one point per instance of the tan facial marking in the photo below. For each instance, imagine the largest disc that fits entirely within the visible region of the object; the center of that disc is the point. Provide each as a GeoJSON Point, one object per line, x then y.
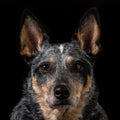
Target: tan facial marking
{"type": "Point", "coordinates": [35, 86]}
{"type": "Point", "coordinates": [69, 59]}
{"type": "Point", "coordinates": [88, 85]}
{"type": "Point", "coordinates": [52, 59]}
{"type": "Point", "coordinates": [72, 113]}
{"type": "Point", "coordinates": [40, 94]}
{"type": "Point", "coordinates": [82, 95]}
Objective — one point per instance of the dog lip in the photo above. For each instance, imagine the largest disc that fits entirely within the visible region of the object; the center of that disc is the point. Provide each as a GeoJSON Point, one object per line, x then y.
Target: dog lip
{"type": "Point", "coordinates": [61, 103]}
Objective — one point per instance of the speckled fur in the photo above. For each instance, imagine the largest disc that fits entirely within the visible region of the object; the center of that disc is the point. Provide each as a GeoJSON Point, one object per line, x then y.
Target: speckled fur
{"type": "Point", "coordinates": [39, 101]}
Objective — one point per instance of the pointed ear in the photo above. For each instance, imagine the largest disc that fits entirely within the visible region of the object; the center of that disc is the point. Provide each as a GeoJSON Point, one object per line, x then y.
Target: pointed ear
{"type": "Point", "coordinates": [32, 35]}
{"type": "Point", "coordinates": [88, 32]}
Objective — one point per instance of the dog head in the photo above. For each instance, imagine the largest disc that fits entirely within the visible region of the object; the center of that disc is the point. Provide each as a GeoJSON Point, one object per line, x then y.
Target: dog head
{"type": "Point", "coordinates": [61, 74]}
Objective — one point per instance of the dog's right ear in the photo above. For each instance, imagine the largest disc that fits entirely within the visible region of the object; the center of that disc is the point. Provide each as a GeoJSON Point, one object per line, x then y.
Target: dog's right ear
{"type": "Point", "coordinates": [31, 35]}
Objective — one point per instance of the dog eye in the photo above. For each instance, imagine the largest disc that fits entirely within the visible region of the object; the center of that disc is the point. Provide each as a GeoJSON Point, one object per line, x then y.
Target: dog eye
{"type": "Point", "coordinates": [76, 67]}
{"type": "Point", "coordinates": [44, 68]}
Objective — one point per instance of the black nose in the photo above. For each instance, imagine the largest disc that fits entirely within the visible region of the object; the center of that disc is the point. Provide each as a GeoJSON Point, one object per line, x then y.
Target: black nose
{"type": "Point", "coordinates": [61, 92]}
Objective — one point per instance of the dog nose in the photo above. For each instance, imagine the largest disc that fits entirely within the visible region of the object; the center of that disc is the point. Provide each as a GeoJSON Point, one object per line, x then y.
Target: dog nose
{"type": "Point", "coordinates": [61, 92]}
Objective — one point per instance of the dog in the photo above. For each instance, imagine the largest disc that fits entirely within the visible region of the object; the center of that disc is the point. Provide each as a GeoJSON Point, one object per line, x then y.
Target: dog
{"type": "Point", "coordinates": [60, 84]}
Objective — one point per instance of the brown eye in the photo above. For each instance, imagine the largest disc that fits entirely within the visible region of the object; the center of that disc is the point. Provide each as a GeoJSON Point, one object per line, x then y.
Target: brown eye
{"type": "Point", "coordinates": [76, 67]}
{"type": "Point", "coordinates": [44, 68]}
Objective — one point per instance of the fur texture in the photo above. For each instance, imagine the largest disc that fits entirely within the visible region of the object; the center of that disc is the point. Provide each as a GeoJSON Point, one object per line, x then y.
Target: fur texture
{"type": "Point", "coordinates": [60, 84]}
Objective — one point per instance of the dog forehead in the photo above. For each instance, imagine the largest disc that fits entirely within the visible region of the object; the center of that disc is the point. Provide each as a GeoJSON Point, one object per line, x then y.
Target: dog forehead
{"type": "Point", "coordinates": [60, 53]}
{"type": "Point", "coordinates": [63, 50]}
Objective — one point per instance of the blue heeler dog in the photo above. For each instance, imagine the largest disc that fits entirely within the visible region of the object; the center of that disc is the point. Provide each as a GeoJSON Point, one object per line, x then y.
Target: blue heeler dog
{"type": "Point", "coordinates": [60, 84]}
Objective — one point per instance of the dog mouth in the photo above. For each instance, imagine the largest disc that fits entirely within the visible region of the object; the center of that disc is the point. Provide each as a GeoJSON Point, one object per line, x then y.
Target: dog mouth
{"type": "Point", "coordinates": [60, 103]}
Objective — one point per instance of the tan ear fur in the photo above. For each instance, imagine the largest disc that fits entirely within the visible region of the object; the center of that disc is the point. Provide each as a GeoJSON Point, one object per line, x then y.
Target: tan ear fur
{"type": "Point", "coordinates": [88, 32]}
{"type": "Point", "coordinates": [31, 37]}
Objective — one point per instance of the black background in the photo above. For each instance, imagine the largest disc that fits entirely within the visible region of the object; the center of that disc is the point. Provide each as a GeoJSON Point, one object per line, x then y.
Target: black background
{"type": "Point", "coordinates": [60, 19]}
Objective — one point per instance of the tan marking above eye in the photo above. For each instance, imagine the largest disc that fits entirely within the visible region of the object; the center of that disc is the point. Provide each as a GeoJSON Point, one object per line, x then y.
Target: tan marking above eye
{"type": "Point", "coordinates": [69, 59]}
{"type": "Point", "coordinates": [52, 59]}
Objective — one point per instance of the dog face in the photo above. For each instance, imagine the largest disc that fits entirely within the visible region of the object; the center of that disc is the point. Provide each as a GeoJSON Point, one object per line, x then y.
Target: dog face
{"type": "Point", "coordinates": [62, 75]}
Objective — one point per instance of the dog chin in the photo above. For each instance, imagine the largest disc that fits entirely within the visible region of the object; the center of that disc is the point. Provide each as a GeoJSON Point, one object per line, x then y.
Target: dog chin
{"type": "Point", "coordinates": [61, 104]}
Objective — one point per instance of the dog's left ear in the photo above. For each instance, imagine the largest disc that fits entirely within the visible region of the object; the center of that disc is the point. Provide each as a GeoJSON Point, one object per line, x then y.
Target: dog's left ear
{"type": "Point", "coordinates": [88, 32]}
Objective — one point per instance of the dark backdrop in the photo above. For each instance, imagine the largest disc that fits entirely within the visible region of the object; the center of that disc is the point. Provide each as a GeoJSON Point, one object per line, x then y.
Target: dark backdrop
{"type": "Point", "coordinates": [60, 20]}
